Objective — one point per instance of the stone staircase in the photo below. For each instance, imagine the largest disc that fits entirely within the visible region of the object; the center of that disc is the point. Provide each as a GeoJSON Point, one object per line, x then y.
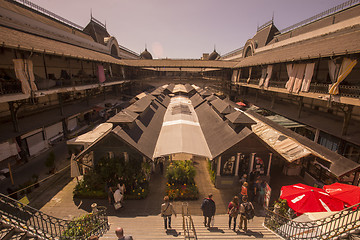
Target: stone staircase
{"type": "Point", "coordinates": [152, 227]}
{"type": "Point", "coordinates": [10, 231]}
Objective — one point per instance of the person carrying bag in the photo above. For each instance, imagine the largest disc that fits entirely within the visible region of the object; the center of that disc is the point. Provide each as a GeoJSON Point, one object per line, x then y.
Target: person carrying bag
{"type": "Point", "coordinates": [233, 211]}
{"type": "Point", "coordinates": [167, 210]}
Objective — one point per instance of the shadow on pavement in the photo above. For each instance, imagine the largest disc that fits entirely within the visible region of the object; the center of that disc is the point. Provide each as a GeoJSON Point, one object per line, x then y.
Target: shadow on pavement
{"type": "Point", "coordinates": [250, 233]}
{"type": "Point", "coordinates": [215, 229]}
{"type": "Point", "coordinates": [173, 232]}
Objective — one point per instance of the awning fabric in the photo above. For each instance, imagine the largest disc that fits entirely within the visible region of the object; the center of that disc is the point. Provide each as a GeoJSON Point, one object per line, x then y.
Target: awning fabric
{"type": "Point", "coordinates": [286, 147]}
{"type": "Point", "coordinates": [181, 131]}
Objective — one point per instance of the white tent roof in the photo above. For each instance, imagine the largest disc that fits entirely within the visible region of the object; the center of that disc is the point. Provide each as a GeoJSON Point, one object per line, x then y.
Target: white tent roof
{"type": "Point", "coordinates": [181, 131]}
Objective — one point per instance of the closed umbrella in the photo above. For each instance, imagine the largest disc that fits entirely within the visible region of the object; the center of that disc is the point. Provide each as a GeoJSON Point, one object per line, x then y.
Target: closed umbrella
{"type": "Point", "coordinates": [349, 194]}
{"type": "Point", "coordinates": [302, 198]}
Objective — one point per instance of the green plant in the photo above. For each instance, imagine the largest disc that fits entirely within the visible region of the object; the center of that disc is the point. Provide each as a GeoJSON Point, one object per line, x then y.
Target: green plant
{"type": "Point", "coordinates": [81, 226]}
{"type": "Point", "coordinates": [181, 181]}
{"type": "Point", "coordinates": [113, 170]}
{"type": "Point", "coordinates": [211, 172]}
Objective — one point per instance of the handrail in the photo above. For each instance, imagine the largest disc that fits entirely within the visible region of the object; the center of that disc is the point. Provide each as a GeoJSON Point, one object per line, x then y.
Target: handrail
{"type": "Point", "coordinates": [48, 13]}
{"type": "Point", "coordinates": [188, 223]}
{"type": "Point", "coordinates": [323, 14]}
{"type": "Point", "coordinates": [330, 227]}
{"type": "Point", "coordinates": [45, 226]}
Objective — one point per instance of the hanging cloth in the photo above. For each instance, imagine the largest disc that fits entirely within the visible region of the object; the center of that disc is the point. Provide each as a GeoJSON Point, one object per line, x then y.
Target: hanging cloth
{"type": "Point", "coordinates": [291, 70]}
{"type": "Point", "coordinates": [24, 72]}
{"type": "Point", "coordinates": [248, 80]}
{"type": "Point", "coordinates": [346, 67]}
{"type": "Point", "coordinates": [238, 75]}
{"type": "Point", "coordinates": [101, 74]}
{"type": "Point", "coordinates": [268, 76]}
{"type": "Point", "coordinates": [299, 77]}
{"type": "Point", "coordinates": [309, 72]}
{"type": "Point", "coordinates": [263, 76]}
{"type": "Point", "coordinates": [235, 72]}
{"type": "Point", "coordinates": [333, 69]}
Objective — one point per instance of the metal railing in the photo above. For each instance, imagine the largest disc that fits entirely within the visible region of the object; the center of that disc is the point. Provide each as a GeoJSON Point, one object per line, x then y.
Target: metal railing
{"type": "Point", "coordinates": [232, 53]}
{"type": "Point", "coordinates": [48, 13]}
{"type": "Point", "coordinates": [331, 227]}
{"type": "Point", "coordinates": [188, 223]}
{"type": "Point", "coordinates": [352, 91]}
{"type": "Point", "coordinates": [322, 15]}
{"type": "Point", "coordinates": [37, 223]}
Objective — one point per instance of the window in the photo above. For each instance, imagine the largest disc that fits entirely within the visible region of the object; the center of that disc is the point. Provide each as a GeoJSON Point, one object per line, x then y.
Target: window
{"type": "Point", "coordinates": [229, 166]}
{"type": "Point", "coordinates": [329, 141]}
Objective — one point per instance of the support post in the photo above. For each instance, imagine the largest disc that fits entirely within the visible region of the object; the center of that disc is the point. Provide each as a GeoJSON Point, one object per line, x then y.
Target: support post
{"type": "Point", "coordinates": [218, 166]}
{"type": "Point", "coordinates": [272, 101]}
{"type": "Point", "coordinates": [237, 164]}
{"type": "Point", "coordinates": [300, 106]}
{"type": "Point", "coordinates": [317, 133]}
{"type": "Point", "coordinates": [45, 69]}
{"type": "Point", "coordinates": [61, 104]}
{"type": "Point", "coordinates": [269, 165]}
{"type": "Point", "coordinates": [14, 116]}
{"type": "Point", "coordinates": [252, 162]}
{"type": "Point", "coordinates": [347, 116]}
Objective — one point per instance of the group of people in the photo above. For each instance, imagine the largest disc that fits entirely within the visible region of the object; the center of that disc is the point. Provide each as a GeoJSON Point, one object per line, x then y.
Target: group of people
{"type": "Point", "coordinates": [245, 209]}
{"type": "Point", "coordinates": [116, 194]}
{"type": "Point", "coordinates": [253, 188]}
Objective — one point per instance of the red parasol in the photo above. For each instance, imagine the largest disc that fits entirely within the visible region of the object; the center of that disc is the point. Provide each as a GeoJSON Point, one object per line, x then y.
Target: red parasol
{"type": "Point", "coordinates": [349, 194]}
{"type": "Point", "coordinates": [241, 104]}
{"type": "Point", "coordinates": [302, 198]}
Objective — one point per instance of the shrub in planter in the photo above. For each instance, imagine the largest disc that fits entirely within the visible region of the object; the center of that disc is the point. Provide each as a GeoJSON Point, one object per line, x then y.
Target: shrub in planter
{"type": "Point", "coordinates": [114, 170]}
{"type": "Point", "coordinates": [181, 184]}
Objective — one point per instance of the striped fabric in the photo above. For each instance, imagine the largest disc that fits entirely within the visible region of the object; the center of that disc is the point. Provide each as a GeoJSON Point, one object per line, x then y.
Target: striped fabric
{"type": "Point", "coordinates": [346, 68]}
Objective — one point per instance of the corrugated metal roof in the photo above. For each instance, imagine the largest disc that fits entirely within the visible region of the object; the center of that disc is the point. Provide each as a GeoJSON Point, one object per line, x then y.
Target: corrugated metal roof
{"type": "Point", "coordinates": [125, 116]}
{"type": "Point", "coordinates": [313, 48]}
{"type": "Point", "coordinates": [15, 39]}
{"type": "Point", "coordinates": [286, 147]}
{"type": "Point", "coordinates": [285, 122]}
{"type": "Point", "coordinates": [88, 138]}
{"type": "Point", "coordinates": [339, 164]}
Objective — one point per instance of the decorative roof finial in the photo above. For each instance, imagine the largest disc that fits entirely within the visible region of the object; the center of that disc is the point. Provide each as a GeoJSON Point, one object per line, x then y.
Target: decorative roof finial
{"type": "Point", "coordinates": [91, 14]}
{"type": "Point", "coordinates": [272, 20]}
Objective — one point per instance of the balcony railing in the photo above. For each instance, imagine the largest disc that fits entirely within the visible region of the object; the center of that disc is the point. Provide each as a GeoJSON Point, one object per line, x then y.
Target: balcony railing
{"type": "Point", "coordinates": [44, 226]}
{"type": "Point", "coordinates": [48, 13]}
{"type": "Point", "coordinates": [331, 227]}
{"type": "Point", "coordinates": [352, 91]}
{"type": "Point", "coordinates": [328, 12]}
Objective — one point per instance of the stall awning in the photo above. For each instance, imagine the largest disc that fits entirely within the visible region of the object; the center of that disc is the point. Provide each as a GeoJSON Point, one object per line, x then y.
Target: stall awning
{"type": "Point", "coordinates": [285, 122]}
{"type": "Point", "coordinates": [285, 146]}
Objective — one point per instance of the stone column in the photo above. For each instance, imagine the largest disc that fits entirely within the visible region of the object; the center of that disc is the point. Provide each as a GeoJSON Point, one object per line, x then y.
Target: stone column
{"type": "Point", "coordinates": [269, 165]}
{"type": "Point", "coordinates": [252, 162]}
{"type": "Point", "coordinates": [218, 167]}
{"type": "Point", "coordinates": [237, 164]}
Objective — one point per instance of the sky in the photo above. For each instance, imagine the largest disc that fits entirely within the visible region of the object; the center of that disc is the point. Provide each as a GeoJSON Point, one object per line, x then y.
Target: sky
{"type": "Point", "coordinates": [186, 28]}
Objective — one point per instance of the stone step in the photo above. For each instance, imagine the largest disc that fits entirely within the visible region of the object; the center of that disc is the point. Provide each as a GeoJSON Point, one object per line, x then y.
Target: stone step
{"type": "Point", "coordinates": [152, 227]}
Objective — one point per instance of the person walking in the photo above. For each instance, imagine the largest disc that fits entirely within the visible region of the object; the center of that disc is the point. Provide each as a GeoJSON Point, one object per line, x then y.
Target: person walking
{"type": "Point", "coordinates": [167, 210]}
{"type": "Point", "coordinates": [244, 190]}
{"type": "Point", "coordinates": [120, 234]}
{"type": "Point", "coordinates": [208, 208]}
{"type": "Point", "coordinates": [233, 211]}
{"type": "Point", "coordinates": [244, 209]}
